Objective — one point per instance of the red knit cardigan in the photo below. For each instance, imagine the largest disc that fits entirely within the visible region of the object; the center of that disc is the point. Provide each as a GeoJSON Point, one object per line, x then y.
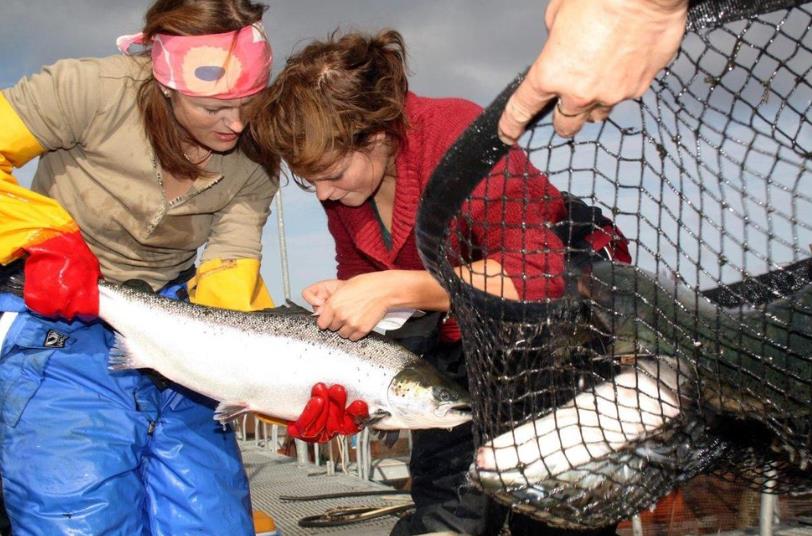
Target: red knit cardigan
{"type": "Point", "coordinates": [511, 232]}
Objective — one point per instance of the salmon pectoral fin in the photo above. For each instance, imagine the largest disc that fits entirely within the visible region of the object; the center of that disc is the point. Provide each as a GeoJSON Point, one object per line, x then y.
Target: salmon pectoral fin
{"type": "Point", "coordinates": [228, 411]}
{"type": "Point", "coordinates": [375, 418]}
{"type": "Point", "coordinates": [389, 437]}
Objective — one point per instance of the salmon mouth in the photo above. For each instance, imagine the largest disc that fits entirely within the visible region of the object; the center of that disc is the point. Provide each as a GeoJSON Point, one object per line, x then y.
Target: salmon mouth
{"type": "Point", "coordinates": [461, 409]}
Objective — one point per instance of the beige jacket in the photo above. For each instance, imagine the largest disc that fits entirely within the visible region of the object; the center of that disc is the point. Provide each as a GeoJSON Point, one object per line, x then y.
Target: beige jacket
{"type": "Point", "coordinates": [100, 167]}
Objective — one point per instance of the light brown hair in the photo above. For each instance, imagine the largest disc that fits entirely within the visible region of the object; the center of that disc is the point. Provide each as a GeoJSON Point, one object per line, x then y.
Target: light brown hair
{"type": "Point", "coordinates": [332, 97]}
{"type": "Point", "coordinates": [193, 17]}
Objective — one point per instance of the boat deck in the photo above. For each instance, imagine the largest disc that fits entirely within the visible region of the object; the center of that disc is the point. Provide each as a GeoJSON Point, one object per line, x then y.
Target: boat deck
{"type": "Point", "coordinates": [272, 475]}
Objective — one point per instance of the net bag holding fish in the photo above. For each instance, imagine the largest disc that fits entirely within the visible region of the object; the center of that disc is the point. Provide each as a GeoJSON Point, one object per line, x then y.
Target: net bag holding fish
{"type": "Point", "coordinates": [621, 380]}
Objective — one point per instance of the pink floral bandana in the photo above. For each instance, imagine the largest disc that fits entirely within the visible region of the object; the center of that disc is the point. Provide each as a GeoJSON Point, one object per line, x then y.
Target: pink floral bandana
{"type": "Point", "coordinates": [224, 66]}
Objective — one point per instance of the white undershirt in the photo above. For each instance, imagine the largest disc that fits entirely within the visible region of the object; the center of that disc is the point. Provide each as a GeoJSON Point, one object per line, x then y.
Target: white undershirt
{"type": "Point", "coordinates": [6, 320]}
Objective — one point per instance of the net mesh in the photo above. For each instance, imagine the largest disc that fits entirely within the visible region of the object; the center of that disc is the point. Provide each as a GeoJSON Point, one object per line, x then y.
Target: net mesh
{"type": "Point", "coordinates": [598, 393]}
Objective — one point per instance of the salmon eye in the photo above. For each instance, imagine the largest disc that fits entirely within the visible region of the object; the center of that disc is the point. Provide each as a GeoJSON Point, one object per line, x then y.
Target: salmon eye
{"type": "Point", "coordinates": [443, 395]}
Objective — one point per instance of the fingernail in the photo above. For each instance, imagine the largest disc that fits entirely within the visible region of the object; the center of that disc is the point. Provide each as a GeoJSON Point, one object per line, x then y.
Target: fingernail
{"type": "Point", "coordinates": [504, 138]}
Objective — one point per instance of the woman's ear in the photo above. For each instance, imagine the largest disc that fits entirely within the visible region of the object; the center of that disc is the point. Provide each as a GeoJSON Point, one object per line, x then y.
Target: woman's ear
{"type": "Point", "coordinates": [165, 90]}
{"type": "Point", "coordinates": [377, 140]}
{"type": "Point", "coordinates": [379, 137]}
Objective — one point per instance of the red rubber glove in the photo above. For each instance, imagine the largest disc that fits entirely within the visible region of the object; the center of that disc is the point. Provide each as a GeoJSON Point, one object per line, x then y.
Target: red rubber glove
{"type": "Point", "coordinates": [61, 278]}
{"type": "Point", "coordinates": [325, 416]}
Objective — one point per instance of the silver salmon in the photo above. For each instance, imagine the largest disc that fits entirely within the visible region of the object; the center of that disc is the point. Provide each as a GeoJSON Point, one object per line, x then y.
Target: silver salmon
{"type": "Point", "coordinates": [635, 431]}
{"type": "Point", "coordinates": [597, 422]}
{"type": "Point", "coordinates": [267, 362]}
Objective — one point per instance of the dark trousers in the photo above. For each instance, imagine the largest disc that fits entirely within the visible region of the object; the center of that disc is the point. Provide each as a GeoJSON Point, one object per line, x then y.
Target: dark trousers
{"type": "Point", "coordinates": [444, 500]}
{"type": "Point", "coordinates": [5, 525]}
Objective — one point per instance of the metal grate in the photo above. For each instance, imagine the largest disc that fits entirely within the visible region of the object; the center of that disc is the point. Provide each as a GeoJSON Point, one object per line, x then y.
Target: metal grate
{"type": "Point", "coordinates": [272, 476]}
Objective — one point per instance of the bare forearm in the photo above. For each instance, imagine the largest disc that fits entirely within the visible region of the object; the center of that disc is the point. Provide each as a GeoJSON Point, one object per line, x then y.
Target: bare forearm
{"type": "Point", "coordinates": [488, 276]}
{"type": "Point", "coordinates": [416, 289]}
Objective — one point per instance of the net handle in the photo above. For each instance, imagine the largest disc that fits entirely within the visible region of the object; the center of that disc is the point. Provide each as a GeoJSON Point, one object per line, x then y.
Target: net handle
{"type": "Point", "coordinates": [710, 14]}
{"type": "Point", "coordinates": [462, 168]}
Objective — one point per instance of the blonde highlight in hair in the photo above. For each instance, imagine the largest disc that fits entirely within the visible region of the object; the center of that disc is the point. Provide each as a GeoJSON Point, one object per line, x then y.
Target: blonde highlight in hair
{"type": "Point", "coordinates": [332, 97]}
{"type": "Point", "coordinates": [192, 17]}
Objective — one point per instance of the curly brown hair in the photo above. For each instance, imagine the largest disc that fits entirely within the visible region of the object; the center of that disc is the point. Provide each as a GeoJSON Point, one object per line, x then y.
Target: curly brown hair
{"type": "Point", "coordinates": [332, 97]}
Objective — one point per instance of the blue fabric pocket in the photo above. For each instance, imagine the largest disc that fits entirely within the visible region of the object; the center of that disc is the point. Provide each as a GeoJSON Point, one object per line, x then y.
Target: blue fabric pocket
{"type": "Point", "coordinates": [26, 351]}
{"type": "Point", "coordinates": [11, 303]}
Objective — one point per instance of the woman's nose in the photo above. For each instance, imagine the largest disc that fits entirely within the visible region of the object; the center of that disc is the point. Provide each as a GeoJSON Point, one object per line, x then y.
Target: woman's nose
{"type": "Point", "coordinates": [323, 191]}
{"type": "Point", "coordinates": [234, 122]}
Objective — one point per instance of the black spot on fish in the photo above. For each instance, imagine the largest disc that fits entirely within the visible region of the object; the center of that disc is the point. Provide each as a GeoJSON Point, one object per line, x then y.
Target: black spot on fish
{"type": "Point", "coordinates": [209, 73]}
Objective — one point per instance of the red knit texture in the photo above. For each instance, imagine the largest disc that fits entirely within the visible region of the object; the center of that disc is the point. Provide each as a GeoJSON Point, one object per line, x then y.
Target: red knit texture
{"type": "Point", "coordinates": [498, 209]}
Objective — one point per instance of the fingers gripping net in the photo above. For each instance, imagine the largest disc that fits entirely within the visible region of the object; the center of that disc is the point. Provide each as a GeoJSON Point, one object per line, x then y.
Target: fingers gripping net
{"type": "Point", "coordinates": [598, 392]}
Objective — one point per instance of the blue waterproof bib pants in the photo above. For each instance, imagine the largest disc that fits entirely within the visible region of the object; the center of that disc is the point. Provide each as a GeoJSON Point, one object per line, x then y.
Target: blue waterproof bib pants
{"type": "Point", "coordinates": [84, 450]}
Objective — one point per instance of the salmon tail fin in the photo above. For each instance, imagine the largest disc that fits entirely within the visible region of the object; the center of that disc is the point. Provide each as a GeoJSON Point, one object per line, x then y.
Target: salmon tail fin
{"type": "Point", "coordinates": [228, 411]}
{"type": "Point", "coordinates": [121, 358]}
{"type": "Point", "coordinates": [12, 278]}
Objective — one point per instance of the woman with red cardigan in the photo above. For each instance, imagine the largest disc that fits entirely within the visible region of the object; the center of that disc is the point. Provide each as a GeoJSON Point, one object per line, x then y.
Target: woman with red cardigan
{"type": "Point", "coordinates": [342, 117]}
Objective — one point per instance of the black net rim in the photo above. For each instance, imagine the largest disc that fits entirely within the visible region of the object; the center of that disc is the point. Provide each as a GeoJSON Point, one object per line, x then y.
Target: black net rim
{"type": "Point", "coordinates": [462, 168]}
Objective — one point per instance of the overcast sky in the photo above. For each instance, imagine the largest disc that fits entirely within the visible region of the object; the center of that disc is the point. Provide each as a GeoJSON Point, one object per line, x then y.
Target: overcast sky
{"type": "Point", "coordinates": [461, 48]}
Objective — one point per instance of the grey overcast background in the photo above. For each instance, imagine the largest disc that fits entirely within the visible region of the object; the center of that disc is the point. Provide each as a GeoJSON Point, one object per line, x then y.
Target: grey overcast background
{"type": "Point", "coordinates": [461, 48]}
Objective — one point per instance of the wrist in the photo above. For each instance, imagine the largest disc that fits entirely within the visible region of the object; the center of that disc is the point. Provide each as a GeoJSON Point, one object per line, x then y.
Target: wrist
{"type": "Point", "coordinates": [396, 288]}
{"type": "Point", "coordinates": [416, 289]}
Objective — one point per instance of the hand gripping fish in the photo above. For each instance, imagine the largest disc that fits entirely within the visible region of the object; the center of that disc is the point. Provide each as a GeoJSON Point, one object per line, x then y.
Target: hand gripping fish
{"type": "Point", "coordinates": [266, 362]}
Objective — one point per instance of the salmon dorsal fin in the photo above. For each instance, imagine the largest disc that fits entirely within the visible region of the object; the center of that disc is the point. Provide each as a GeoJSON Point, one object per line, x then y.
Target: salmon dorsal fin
{"type": "Point", "coordinates": [290, 308]}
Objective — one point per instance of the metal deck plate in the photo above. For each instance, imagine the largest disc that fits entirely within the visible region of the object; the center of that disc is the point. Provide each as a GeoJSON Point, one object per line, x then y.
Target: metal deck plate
{"type": "Point", "coordinates": [273, 475]}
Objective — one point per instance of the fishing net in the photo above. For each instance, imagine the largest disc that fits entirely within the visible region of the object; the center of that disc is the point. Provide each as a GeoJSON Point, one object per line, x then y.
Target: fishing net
{"type": "Point", "coordinates": [631, 378]}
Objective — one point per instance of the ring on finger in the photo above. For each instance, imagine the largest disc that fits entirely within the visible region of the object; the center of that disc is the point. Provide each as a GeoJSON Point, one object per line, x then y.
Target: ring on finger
{"type": "Point", "coordinates": [565, 114]}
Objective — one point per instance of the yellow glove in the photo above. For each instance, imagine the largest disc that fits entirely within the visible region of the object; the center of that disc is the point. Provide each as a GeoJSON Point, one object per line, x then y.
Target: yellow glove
{"type": "Point", "coordinates": [26, 218]}
{"type": "Point", "coordinates": [230, 284]}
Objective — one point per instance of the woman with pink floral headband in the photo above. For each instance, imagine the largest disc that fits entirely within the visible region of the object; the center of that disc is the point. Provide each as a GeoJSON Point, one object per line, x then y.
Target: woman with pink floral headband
{"type": "Point", "coordinates": [143, 159]}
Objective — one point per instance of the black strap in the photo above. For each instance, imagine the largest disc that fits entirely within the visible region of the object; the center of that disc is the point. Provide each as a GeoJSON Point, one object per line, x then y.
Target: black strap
{"type": "Point", "coordinates": [581, 221]}
{"type": "Point", "coordinates": [424, 326]}
{"type": "Point", "coordinates": [705, 14]}
{"type": "Point", "coordinates": [763, 288]}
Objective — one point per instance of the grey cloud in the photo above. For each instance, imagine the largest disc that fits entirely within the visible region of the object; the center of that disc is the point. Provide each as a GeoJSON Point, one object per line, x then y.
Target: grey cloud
{"type": "Point", "coordinates": [466, 48]}
{"type": "Point", "coordinates": [38, 32]}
